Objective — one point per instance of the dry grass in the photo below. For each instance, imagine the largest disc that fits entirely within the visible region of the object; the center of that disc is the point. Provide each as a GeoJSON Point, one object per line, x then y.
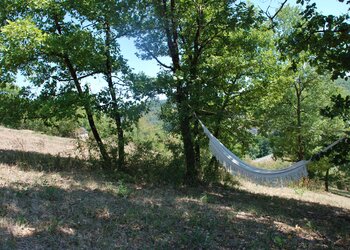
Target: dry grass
{"type": "Point", "coordinates": [299, 193]}
{"type": "Point", "coordinates": [42, 209]}
{"type": "Point", "coordinates": [29, 141]}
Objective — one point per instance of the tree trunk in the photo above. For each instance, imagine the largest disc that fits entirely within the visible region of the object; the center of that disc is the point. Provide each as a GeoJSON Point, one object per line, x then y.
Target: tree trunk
{"type": "Point", "coordinates": [170, 23]}
{"type": "Point", "coordinates": [87, 107]}
{"type": "Point", "coordinates": [298, 90]}
{"type": "Point", "coordinates": [116, 113]}
{"type": "Point", "coordinates": [326, 181]}
{"type": "Point", "coordinates": [197, 147]}
{"type": "Point", "coordinates": [89, 114]}
{"type": "Point", "coordinates": [191, 175]}
{"type": "Point", "coordinates": [191, 171]}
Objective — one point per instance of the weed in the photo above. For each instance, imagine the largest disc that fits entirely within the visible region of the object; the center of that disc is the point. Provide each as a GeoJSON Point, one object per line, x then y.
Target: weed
{"type": "Point", "coordinates": [310, 225]}
{"type": "Point", "coordinates": [22, 193]}
{"type": "Point", "coordinates": [3, 211]}
{"type": "Point", "coordinates": [279, 241]}
{"type": "Point", "coordinates": [196, 238]}
{"type": "Point", "coordinates": [21, 220]}
{"type": "Point", "coordinates": [206, 198]}
{"type": "Point", "coordinates": [123, 190]}
{"type": "Point", "coordinates": [120, 189]}
{"type": "Point", "coordinates": [93, 215]}
{"type": "Point", "coordinates": [299, 191]}
{"type": "Point", "coordinates": [53, 225]}
{"type": "Point", "coordinates": [8, 244]}
{"type": "Point", "coordinates": [50, 193]}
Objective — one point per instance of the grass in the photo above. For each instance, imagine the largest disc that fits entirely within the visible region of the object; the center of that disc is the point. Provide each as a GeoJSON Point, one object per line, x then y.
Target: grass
{"type": "Point", "coordinates": [268, 162]}
{"type": "Point", "coordinates": [73, 208]}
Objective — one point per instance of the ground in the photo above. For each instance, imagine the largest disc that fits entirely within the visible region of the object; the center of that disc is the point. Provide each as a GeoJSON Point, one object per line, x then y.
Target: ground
{"type": "Point", "coordinates": [42, 207]}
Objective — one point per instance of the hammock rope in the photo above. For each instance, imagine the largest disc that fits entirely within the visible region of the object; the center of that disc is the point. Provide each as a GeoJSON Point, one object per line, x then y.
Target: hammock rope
{"type": "Point", "coordinates": [234, 165]}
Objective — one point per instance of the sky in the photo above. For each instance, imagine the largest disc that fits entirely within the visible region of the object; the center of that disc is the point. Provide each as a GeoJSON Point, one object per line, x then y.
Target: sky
{"type": "Point", "coordinates": [151, 68]}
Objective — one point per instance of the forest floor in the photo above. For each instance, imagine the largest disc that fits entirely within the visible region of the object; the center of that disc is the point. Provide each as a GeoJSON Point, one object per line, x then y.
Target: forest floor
{"type": "Point", "coordinates": [42, 207]}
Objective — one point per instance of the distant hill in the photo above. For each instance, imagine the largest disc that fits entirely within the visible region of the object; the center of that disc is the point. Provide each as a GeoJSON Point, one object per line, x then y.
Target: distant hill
{"type": "Point", "coordinates": [152, 116]}
{"type": "Point", "coordinates": [345, 84]}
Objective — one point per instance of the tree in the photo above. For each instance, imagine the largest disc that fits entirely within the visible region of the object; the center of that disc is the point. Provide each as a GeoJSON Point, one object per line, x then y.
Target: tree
{"type": "Point", "coordinates": [187, 31]}
{"type": "Point", "coordinates": [327, 38]}
{"type": "Point", "coordinates": [48, 47]}
{"type": "Point", "coordinates": [108, 21]}
{"type": "Point", "coordinates": [340, 154]}
{"type": "Point", "coordinates": [297, 130]}
{"type": "Point", "coordinates": [70, 41]}
{"type": "Point", "coordinates": [295, 127]}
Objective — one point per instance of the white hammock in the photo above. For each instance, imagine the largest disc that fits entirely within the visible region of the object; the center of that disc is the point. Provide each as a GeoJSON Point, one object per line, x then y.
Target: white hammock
{"type": "Point", "coordinates": [236, 166]}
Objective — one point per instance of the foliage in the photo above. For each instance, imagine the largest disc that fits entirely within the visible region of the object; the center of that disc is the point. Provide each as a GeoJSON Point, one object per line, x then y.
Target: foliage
{"type": "Point", "coordinates": [345, 84]}
{"type": "Point", "coordinates": [294, 123]}
{"type": "Point", "coordinates": [156, 155]}
{"type": "Point", "coordinates": [260, 148]}
{"type": "Point", "coordinates": [326, 37]}
{"type": "Point", "coordinates": [339, 155]}
{"type": "Point", "coordinates": [214, 48]}
{"type": "Point", "coordinates": [289, 112]}
{"type": "Point", "coordinates": [49, 113]}
{"type": "Point", "coordinates": [13, 105]}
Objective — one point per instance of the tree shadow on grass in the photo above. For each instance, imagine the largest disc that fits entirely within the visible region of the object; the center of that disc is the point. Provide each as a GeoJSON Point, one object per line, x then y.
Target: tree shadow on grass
{"type": "Point", "coordinates": [28, 160]}
{"type": "Point", "coordinates": [48, 217]}
{"type": "Point", "coordinates": [343, 193]}
{"type": "Point", "coordinates": [41, 217]}
{"type": "Point", "coordinates": [328, 221]}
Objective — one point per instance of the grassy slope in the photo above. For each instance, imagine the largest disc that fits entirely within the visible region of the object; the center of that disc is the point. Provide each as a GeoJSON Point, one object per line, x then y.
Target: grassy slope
{"type": "Point", "coordinates": [43, 208]}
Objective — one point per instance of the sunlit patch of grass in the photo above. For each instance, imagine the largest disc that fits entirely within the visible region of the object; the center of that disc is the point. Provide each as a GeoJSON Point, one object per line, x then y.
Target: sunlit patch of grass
{"type": "Point", "coordinates": [269, 163]}
{"type": "Point", "coordinates": [299, 190]}
{"type": "Point", "coordinates": [120, 189]}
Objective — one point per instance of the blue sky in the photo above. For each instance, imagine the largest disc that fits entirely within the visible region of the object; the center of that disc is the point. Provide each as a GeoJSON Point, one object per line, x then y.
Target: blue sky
{"type": "Point", "coordinates": [325, 6]}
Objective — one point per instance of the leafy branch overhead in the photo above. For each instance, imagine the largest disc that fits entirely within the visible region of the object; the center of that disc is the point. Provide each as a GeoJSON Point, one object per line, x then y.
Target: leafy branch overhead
{"type": "Point", "coordinates": [327, 37]}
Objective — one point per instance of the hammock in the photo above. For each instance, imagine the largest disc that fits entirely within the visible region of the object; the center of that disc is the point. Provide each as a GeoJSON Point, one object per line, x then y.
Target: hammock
{"type": "Point", "coordinates": [236, 166]}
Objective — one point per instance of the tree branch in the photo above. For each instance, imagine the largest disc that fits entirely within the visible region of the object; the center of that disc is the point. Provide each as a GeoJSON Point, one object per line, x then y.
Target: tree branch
{"type": "Point", "coordinates": [79, 78]}
{"type": "Point", "coordinates": [276, 13]}
{"type": "Point", "coordinates": [158, 61]}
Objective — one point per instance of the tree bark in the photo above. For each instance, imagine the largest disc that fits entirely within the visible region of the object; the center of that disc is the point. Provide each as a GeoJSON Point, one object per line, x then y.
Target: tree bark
{"type": "Point", "coordinates": [197, 148]}
{"type": "Point", "coordinates": [116, 113]}
{"type": "Point", "coordinates": [191, 175]}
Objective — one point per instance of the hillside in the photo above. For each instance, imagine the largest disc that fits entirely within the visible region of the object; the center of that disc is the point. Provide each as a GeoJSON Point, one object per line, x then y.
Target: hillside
{"type": "Point", "coordinates": [345, 84]}
{"type": "Point", "coordinates": [48, 201]}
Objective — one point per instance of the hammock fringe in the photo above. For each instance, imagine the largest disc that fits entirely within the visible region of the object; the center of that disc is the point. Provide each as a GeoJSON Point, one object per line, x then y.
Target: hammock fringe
{"type": "Point", "coordinates": [236, 166]}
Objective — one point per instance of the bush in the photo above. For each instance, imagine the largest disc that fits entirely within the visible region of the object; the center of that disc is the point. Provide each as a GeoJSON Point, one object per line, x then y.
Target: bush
{"type": "Point", "coordinates": [148, 165]}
